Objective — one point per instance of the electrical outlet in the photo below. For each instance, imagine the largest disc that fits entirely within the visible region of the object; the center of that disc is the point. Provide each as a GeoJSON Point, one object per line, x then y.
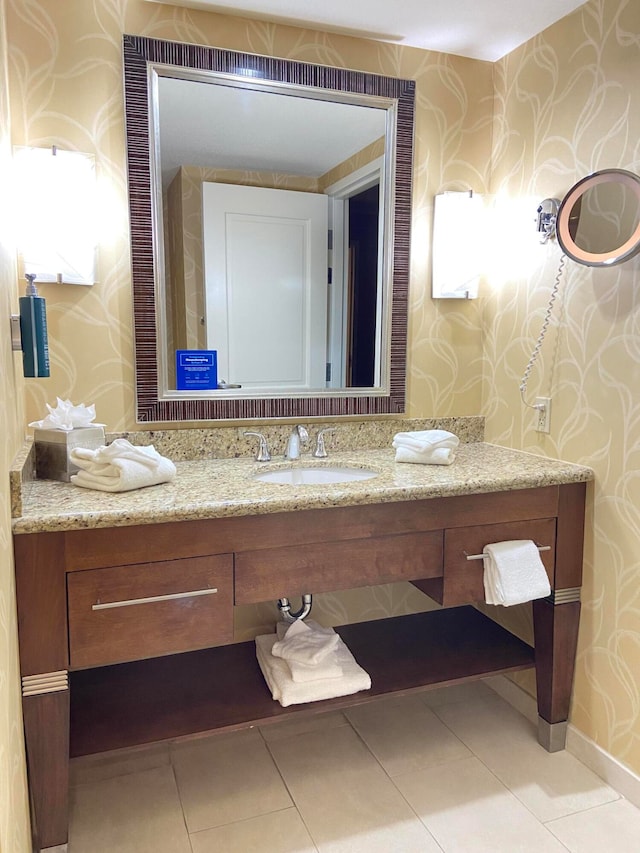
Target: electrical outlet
{"type": "Point", "coordinates": [543, 405]}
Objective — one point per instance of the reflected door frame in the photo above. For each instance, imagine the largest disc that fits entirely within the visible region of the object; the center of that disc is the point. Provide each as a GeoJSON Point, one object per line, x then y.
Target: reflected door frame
{"type": "Point", "coordinates": [338, 332]}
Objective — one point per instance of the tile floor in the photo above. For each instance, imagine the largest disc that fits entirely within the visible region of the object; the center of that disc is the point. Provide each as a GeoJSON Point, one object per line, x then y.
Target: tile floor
{"type": "Point", "coordinates": [455, 770]}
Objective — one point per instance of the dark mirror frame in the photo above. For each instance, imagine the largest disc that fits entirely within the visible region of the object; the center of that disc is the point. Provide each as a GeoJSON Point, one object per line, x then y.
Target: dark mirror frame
{"type": "Point", "coordinates": [139, 52]}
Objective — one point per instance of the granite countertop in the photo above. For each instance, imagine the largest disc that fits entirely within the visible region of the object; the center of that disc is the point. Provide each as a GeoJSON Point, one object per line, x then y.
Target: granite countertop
{"type": "Point", "coordinates": [214, 488]}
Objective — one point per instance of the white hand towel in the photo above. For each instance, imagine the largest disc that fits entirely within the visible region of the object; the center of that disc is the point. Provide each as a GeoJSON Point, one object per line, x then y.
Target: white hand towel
{"type": "Point", "coordinates": [438, 456]}
{"type": "Point", "coordinates": [286, 691]}
{"type": "Point", "coordinates": [120, 467]}
{"type": "Point", "coordinates": [514, 573]}
{"type": "Point", "coordinates": [305, 642]}
{"type": "Point", "coordinates": [423, 441]}
{"type": "Point", "coordinates": [426, 447]}
{"type": "Point", "coordinates": [328, 667]}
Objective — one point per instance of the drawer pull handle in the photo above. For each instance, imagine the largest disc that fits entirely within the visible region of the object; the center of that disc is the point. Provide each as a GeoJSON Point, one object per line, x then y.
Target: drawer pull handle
{"type": "Point", "coordinates": [172, 597]}
{"type": "Point", "coordinates": [481, 556]}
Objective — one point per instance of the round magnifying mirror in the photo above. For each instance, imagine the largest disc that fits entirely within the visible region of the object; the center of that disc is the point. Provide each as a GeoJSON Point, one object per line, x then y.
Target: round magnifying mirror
{"type": "Point", "coordinates": [599, 219]}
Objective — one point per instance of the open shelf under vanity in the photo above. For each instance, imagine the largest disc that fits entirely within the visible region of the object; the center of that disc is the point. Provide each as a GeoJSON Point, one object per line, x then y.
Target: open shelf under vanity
{"type": "Point", "coordinates": [176, 696]}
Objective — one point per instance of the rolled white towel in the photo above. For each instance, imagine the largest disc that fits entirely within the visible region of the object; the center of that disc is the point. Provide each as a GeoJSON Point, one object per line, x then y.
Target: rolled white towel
{"type": "Point", "coordinates": [286, 691]}
{"type": "Point", "coordinates": [307, 642]}
{"type": "Point", "coordinates": [514, 573]}
{"type": "Point", "coordinates": [120, 467]}
{"type": "Point", "coordinates": [439, 456]}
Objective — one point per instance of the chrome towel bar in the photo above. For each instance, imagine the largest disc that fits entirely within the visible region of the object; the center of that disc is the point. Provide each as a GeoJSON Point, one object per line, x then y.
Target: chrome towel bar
{"type": "Point", "coordinates": [482, 556]}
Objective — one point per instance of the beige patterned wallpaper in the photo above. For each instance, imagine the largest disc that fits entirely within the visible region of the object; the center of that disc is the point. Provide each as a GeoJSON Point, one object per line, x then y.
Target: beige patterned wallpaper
{"type": "Point", "coordinates": [566, 103]}
{"type": "Point", "coordinates": [66, 89]}
{"type": "Point", "coordinates": [14, 825]}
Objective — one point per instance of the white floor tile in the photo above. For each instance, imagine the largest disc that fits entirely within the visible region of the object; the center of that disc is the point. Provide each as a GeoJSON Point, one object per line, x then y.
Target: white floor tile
{"type": "Point", "coordinates": [550, 785]}
{"type": "Point", "coordinates": [136, 813]}
{"type": "Point", "coordinates": [468, 810]}
{"type": "Point", "coordinates": [278, 832]}
{"type": "Point", "coordinates": [346, 800]}
{"type": "Point", "coordinates": [93, 768]}
{"type": "Point", "coordinates": [405, 735]}
{"type": "Point", "coordinates": [612, 828]}
{"type": "Point", "coordinates": [227, 778]}
{"type": "Point", "coordinates": [302, 725]}
{"type": "Point", "coordinates": [466, 692]}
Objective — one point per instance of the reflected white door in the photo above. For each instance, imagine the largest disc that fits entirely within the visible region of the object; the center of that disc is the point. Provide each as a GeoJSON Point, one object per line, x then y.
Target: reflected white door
{"type": "Point", "coordinates": [265, 255]}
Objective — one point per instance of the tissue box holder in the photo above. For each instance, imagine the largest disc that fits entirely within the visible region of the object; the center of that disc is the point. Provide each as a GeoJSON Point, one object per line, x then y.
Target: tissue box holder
{"type": "Point", "coordinates": [54, 445]}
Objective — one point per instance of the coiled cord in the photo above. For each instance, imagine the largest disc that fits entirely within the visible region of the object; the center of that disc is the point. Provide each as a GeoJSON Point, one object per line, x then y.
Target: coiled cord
{"type": "Point", "coordinates": [543, 332]}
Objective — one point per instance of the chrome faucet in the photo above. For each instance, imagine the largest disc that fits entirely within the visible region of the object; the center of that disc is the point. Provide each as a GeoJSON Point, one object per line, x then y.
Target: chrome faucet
{"type": "Point", "coordinates": [321, 451]}
{"type": "Point", "coordinates": [298, 434]}
{"type": "Point", "coordinates": [262, 454]}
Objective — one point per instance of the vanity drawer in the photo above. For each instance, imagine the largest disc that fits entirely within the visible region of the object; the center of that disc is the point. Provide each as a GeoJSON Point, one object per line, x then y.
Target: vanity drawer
{"type": "Point", "coordinates": [462, 580]}
{"type": "Point", "coordinates": [149, 609]}
{"type": "Point", "coordinates": [272, 573]}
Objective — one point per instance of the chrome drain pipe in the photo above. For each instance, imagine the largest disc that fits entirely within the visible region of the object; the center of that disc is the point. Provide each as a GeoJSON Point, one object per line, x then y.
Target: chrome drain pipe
{"type": "Point", "coordinates": [285, 608]}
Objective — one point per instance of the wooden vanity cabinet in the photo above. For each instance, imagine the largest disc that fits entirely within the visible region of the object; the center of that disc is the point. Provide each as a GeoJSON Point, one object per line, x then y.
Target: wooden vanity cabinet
{"type": "Point", "coordinates": [123, 641]}
{"type": "Point", "coordinates": [144, 610]}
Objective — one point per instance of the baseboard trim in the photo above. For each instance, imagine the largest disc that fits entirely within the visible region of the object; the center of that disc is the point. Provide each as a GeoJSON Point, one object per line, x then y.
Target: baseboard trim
{"type": "Point", "coordinates": [601, 762]}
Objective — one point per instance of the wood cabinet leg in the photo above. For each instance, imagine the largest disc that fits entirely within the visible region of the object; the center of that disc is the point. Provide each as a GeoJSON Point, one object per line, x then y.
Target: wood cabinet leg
{"type": "Point", "coordinates": [555, 628]}
{"type": "Point", "coordinates": [46, 727]}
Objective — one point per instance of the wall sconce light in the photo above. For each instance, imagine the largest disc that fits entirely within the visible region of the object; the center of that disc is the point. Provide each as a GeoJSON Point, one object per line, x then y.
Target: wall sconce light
{"type": "Point", "coordinates": [55, 198]}
{"type": "Point", "coordinates": [458, 245]}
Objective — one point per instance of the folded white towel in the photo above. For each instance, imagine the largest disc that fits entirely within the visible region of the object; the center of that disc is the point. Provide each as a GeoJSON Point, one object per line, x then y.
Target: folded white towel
{"type": "Point", "coordinates": [304, 672]}
{"type": "Point", "coordinates": [120, 467]}
{"type": "Point", "coordinates": [514, 573]}
{"type": "Point", "coordinates": [426, 439]}
{"type": "Point", "coordinates": [286, 691]}
{"type": "Point", "coordinates": [305, 642]}
{"type": "Point", "coordinates": [426, 447]}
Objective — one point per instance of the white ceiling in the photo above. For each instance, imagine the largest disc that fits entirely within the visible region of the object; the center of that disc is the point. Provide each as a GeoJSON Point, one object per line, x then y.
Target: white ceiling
{"type": "Point", "coordinates": [261, 131]}
{"type": "Point", "coordinates": [480, 29]}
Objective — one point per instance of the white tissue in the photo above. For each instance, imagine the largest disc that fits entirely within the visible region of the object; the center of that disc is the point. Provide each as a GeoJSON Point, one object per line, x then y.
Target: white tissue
{"type": "Point", "coordinates": [66, 416]}
{"type": "Point", "coordinates": [306, 643]}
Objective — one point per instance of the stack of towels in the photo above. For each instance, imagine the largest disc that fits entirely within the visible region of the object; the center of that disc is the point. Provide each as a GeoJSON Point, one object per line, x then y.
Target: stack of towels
{"type": "Point", "coordinates": [514, 573]}
{"type": "Point", "coordinates": [120, 467]}
{"type": "Point", "coordinates": [304, 662]}
{"type": "Point", "coordinates": [426, 447]}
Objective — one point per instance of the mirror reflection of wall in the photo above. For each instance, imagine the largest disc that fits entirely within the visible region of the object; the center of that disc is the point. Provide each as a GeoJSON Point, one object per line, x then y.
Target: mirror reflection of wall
{"type": "Point", "coordinates": [598, 222]}
{"type": "Point", "coordinates": [603, 217]}
{"type": "Point", "coordinates": [248, 263]}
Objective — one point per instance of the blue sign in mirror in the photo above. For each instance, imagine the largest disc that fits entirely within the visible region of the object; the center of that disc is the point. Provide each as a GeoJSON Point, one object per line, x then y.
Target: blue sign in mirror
{"type": "Point", "coordinates": [196, 369]}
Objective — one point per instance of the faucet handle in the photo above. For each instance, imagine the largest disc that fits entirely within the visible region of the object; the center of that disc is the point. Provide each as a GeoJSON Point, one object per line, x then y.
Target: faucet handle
{"type": "Point", "coordinates": [321, 452]}
{"type": "Point", "coordinates": [262, 454]}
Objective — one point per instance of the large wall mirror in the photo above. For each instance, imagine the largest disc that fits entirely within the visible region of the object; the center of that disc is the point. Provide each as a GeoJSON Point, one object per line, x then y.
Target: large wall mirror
{"type": "Point", "coordinates": [270, 205]}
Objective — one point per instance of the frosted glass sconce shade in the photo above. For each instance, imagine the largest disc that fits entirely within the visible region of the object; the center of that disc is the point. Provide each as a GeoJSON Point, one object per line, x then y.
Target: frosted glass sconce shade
{"type": "Point", "coordinates": [55, 195]}
{"type": "Point", "coordinates": [458, 245]}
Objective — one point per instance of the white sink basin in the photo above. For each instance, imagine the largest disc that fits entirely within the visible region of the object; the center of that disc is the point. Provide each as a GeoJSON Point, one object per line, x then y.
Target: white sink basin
{"type": "Point", "coordinates": [314, 476]}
